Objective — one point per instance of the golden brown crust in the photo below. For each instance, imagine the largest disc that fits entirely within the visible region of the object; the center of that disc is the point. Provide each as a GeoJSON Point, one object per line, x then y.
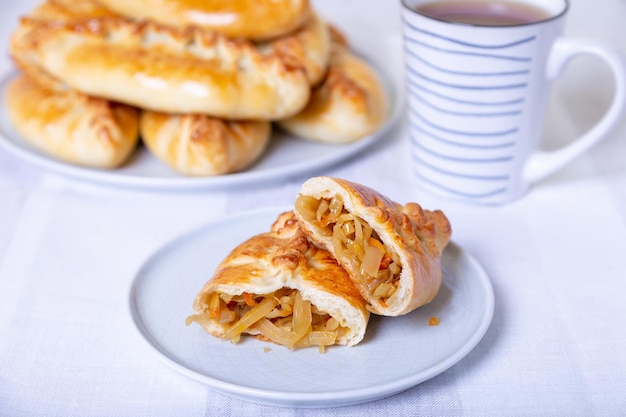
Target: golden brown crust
{"type": "Point", "coordinates": [284, 258]}
{"type": "Point", "coordinates": [199, 145]}
{"type": "Point", "coordinates": [337, 36]}
{"type": "Point", "coordinates": [250, 19]}
{"type": "Point", "coordinates": [285, 249]}
{"type": "Point", "coordinates": [70, 9]}
{"type": "Point", "coordinates": [349, 104]}
{"type": "Point", "coordinates": [51, 10]}
{"type": "Point", "coordinates": [71, 126]}
{"type": "Point", "coordinates": [417, 236]}
{"type": "Point", "coordinates": [162, 68]}
{"type": "Point", "coordinates": [309, 47]}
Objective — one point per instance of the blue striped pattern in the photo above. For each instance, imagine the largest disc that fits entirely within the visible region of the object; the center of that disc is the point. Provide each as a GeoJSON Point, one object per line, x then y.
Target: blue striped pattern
{"type": "Point", "coordinates": [465, 120]}
{"type": "Point", "coordinates": [507, 45]}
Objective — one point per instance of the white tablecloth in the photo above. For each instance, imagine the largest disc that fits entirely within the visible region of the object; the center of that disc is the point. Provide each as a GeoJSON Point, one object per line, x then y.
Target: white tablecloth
{"type": "Point", "coordinates": [556, 259]}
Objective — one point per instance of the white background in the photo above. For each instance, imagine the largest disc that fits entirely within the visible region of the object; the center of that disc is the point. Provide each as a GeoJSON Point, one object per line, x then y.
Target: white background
{"type": "Point", "coordinates": [69, 250]}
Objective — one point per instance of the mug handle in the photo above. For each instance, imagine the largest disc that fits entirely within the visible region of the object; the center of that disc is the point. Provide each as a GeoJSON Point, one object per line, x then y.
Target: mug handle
{"type": "Point", "coordinates": [544, 163]}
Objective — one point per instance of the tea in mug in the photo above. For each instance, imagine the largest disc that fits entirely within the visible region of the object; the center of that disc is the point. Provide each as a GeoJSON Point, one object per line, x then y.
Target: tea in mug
{"type": "Point", "coordinates": [483, 12]}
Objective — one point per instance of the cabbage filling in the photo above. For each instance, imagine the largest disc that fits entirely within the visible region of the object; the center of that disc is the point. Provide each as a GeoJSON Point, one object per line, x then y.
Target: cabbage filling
{"type": "Point", "coordinates": [284, 317]}
{"type": "Point", "coordinates": [354, 241]}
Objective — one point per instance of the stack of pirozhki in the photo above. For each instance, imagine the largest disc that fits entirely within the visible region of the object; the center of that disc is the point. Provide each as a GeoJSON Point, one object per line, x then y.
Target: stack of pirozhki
{"type": "Point", "coordinates": [202, 84]}
{"type": "Point", "coordinates": [313, 279]}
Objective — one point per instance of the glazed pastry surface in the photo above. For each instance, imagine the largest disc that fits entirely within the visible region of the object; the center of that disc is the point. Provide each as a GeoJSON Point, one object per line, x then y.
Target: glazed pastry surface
{"type": "Point", "coordinates": [71, 126]}
{"type": "Point", "coordinates": [270, 266]}
{"type": "Point", "coordinates": [199, 145]}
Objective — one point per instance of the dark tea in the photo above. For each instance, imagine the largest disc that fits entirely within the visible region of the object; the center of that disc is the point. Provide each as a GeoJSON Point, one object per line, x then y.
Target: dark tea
{"type": "Point", "coordinates": [483, 13]}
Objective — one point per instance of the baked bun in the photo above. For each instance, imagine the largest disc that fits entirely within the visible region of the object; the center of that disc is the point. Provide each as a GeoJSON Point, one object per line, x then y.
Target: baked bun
{"type": "Point", "coordinates": [392, 252]}
{"type": "Point", "coordinates": [49, 11]}
{"type": "Point", "coordinates": [309, 47]}
{"type": "Point", "coordinates": [71, 9]}
{"type": "Point", "coordinates": [71, 126]}
{"type": "Point", "coordinates": [199, 145]}
{"type": "Point", "coordinates": [279, 287]}
{"type": "Point", "coordinates": [250, 19]}
{"type": "Point", "coordinates": [349, 104]}
{"type": "Point", "coordinates": [161, 68]}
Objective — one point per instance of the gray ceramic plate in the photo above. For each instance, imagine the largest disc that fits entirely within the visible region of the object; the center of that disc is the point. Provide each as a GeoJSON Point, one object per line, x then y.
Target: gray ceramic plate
{"type": "Point", "coordinates": [396, 354]}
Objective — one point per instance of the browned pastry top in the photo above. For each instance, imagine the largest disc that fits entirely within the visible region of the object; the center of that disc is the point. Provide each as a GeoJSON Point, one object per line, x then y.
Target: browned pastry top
{"type": "Point", "coordinates": [250, 19]}
{"type": "Point", "coordinates": [285, 248]}
{"type": "Point", "coordinates": [160, 68]}
{"type": "Point", "coordinates": [72, 126]}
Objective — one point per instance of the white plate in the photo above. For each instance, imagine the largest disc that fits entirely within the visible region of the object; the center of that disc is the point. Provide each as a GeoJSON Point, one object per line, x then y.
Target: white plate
{"type": "Point", "coordinates": [286, 156]}
{"type": "Point", "coordinates": [396, 354]}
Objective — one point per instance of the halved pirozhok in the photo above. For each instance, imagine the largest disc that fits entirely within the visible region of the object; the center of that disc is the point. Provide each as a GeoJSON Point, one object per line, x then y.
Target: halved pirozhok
{"type": "Point", "coordinates": [391, 252]}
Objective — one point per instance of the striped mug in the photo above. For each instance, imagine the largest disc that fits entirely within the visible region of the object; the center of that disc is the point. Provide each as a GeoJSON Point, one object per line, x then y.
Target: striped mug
{"type": "Point", "coordinates": [477, 93]}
